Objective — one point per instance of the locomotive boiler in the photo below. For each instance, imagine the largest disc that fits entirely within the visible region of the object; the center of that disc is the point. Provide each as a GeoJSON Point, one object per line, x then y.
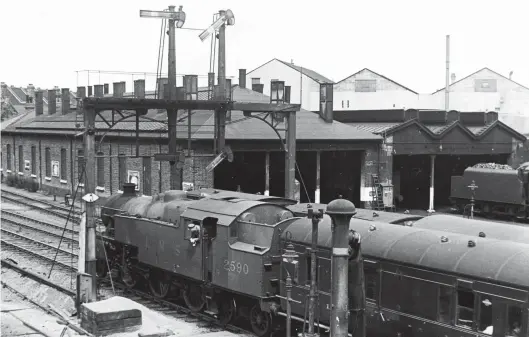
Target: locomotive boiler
{"type": "Point", "coordinates": [219, 251]}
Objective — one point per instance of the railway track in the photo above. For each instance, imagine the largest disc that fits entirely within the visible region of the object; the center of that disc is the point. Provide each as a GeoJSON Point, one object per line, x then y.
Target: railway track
{"type": "Point", "coordinates": [43, 206]}
{"type": "Point", "coordinates": [41, 227]}
{"type": "Point", "coordinates": [39, 250]}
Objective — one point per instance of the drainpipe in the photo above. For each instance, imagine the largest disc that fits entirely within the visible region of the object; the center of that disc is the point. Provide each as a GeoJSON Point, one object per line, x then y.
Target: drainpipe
{"type": "Point", "coordinates": [71, 168]}
{"type": "Point", "coordinates": [40, 164]}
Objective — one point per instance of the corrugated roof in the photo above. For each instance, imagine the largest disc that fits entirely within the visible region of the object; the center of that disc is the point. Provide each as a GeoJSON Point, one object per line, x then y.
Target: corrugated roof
{"type": "Point", "coordinates": [373, 127]}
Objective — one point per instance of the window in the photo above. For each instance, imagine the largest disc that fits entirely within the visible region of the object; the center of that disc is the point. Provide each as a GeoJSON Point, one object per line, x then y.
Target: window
{"type": "Point", "coordinates": [342, 104]}
{"type": "Point", "coordinates": [371, 280]}
{"type": "Point", "coordinates": [366, 85]}
{"type": "Point", "coordinates": [100, 169]}
{"type": "Point", "coordinates": [465, 308]}
{"type": "Point", "coordinates": [445, 304]}
{"type": "Point", "coordinates": [33, 160]}
{"type": "Point", "coordinates": [80, 165]}
{"type": "Point", "coordinates": [47, 158]}
{"type": "Point", "coordinates": [8, 150]}
{"type": "Point", "coordinates": [514, 320]}
{"type": "Point", "coordinates": [485, 315]}
{"type": "Point", "coordinates": [63, 164]}
{"type": "Point", "coordinates": [309, 268]}
{"type": "Point", "coordinates": [20, 159]}
{"type": "Point", "coordinates": [485, 85]}
{"type": "Point", "coordinates": [256, 80]}
{"type": "Point", "coordinates": [347, 103]}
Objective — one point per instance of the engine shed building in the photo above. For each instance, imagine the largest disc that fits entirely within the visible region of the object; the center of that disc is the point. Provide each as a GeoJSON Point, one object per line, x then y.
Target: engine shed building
{"type": "Point", "coordinates": [425, 148]}
{"type": "Point", "coordinates": [332, 158]}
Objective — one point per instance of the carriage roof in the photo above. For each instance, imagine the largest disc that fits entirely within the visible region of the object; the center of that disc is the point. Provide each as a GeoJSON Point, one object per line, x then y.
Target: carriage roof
{"type": "Point", "coordinates": [490, 259]}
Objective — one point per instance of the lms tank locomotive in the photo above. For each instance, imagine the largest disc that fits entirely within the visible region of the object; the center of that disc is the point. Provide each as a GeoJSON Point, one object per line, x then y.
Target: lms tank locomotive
{"type": "Point", "coordinates": [221, 251]}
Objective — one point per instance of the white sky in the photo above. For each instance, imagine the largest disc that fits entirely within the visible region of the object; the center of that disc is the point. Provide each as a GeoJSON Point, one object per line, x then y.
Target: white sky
{"type": "Point", "coordinates": [403, 40]}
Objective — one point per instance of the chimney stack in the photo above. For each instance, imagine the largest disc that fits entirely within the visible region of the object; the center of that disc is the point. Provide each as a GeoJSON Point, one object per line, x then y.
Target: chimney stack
{"type": "Point", "coordinates": [106, 89]}
{"type": "Point", "coordinates": [52, 102]}
{"type": "Point", "coordinates": [228, 88]}
{"type": "Point", "coordinates": [99, 90]}
{"type": "Point", "coordinates": [190, 88]}
{"type": "Point", "coordinates": [326, 96]}
{"type": "Point", "coordinates": [139, 88]}
{"type": "Point", "coordinates": [287, 94]}
{"type": "Point", "coordinates": [257, 87]}
{"type": "Point", "coordinates": [39, 102]}
{"type": "Point", "coordinates": [90, 93]}
{"type": "Point", "coordinates": [65, 101]}
{"type": "Point", "coordinates": [118, 89]}
{"type": "Point", "coordinates": [30, 94]}
{"type": "Point", "coordinates": [211, 85]}
{"type": "Point", "coordinates": [81, 92]}
{"type": "Point", "coordinates": [242, 78]}
{"type": "Point", "coordinates": [160, 87]}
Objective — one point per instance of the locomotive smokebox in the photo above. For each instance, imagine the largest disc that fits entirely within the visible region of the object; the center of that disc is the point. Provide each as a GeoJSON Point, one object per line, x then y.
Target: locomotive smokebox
{"type": "Point", "coordinates": [341, 211]}
{"type": "Point", "coordinates": [129, 189]}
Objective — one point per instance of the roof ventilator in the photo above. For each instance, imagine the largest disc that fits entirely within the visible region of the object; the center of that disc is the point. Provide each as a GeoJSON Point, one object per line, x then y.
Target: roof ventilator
{"type": "Point", "coordinates": [482, 234]}
{"type": "Point", "coordinates": [444, 239]}
{"type": "Point", "coordinates": [372, 228]}
{"type": "Point", "coordinates": [471, 243]}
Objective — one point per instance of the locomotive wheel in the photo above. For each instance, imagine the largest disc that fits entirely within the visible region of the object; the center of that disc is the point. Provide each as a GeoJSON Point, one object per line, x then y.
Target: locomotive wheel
{"type": "Point", "coordinates": [227, 310]}
{"type": "Point", "coordinates": [261, 321]}
{"type": "Point", "coordinates": [159, 284]}
{"type": "Point", "coordinates": [128, 278]}
{"type": "Point", "coordinates": [101, 268]}
{"type": "Point", "coordinates": [193, 298]}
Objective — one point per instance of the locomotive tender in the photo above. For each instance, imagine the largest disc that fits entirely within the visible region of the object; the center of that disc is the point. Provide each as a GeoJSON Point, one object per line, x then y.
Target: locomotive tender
{"type": "Point", "coordinates": [421, 282]}
{"type": "Point", "coordinates": [499, 192]}
{"type": "Point", "coordinates": [221, 251]}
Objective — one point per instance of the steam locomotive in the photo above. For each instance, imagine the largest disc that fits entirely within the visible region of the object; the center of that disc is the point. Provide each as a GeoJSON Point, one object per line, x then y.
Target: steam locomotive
{"type": "Point", "coordinates": [220, 250]}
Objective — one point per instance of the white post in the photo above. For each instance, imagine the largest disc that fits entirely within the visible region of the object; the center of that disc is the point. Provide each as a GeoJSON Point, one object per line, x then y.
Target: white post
{"type": "Point", "coordinates": [432, 180]}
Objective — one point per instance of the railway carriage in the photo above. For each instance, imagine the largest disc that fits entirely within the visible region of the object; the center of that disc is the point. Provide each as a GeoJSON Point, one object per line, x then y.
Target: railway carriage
{"type": "Point", "coordinates": [421, 282]}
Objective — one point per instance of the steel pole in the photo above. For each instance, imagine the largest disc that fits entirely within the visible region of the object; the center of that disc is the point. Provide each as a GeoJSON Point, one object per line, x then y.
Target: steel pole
{"type": "Point", "coordinates": [290, 156]}
{"type": "Point", "coordinates": [175, 179]}
{"type": "Point", "coordinates": [315, 216]}
{"type": "Point", "coordinates": [340, 211]}
{"type": "Point", "coordinates": [90, 187]}
{"type": "Point", "coordinates": [221, 113]}
{"type": "Point", "coordinates": [447, 87]}
{"type": "Point", "coordinates": [289, 307]}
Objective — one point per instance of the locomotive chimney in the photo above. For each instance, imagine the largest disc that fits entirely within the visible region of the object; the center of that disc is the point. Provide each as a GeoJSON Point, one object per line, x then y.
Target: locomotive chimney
{"type": "Point", "coordinates": [129, 189]}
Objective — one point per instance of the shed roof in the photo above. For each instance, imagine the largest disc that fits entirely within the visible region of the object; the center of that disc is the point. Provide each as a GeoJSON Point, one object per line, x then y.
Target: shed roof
{"type": "Point", "coordinates": [421, 247]}
{"type": "Point", "coordinates": [305, 71]}
{"type": "Point", "coordinates": [384, 77]}
{"type": "Point", "coordinates": [309, 125]}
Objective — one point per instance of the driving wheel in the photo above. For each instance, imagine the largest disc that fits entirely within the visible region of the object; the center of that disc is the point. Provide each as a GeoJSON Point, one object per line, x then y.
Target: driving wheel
{"type": "Point", "coordinates": [159, 283]}
{"type": "Point", "coordinates": [227, 310]}
{"type": "Point", "coordinates": [193, 298]}
{"type": "Point", "coordinates": [261, 321]}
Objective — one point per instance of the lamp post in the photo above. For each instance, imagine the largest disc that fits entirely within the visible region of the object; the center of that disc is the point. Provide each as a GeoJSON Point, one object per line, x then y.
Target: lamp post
{"type": "Point", "coordinates": [472, 187]}
{"type": "Point", "coordinates": [315, 216]}
{"type": "Point", "coordinates": [289, 256]}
